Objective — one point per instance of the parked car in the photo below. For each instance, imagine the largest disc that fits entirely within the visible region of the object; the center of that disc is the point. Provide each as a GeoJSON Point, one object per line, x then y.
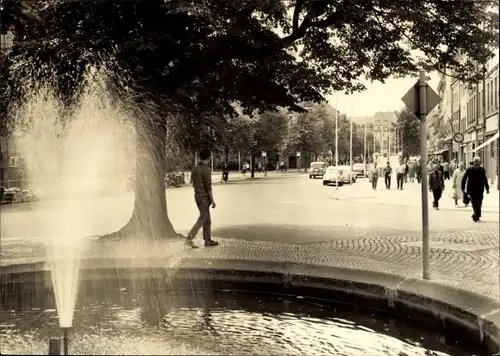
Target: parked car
{"type": "Point", "coordinates": [333, 175]}
{"type": "Point", "coordinates": [359, 170]}
{"type": "Point", "coordinates": [316, 169]}
{"type": "Point", "coordinates": [348, 174]}
{"type": "Point", "coordinates": [7, 195]}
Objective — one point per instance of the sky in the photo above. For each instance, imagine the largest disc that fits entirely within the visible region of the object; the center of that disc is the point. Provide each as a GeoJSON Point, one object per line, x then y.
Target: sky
{"type": "Point", "coordinates": [377, 96]}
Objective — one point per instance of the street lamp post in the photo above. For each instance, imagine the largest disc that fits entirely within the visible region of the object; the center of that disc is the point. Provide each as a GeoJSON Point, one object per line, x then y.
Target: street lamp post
{"type": "Point", "coordinates": [337, 138]}
{"type": "Point", "coordinates": [350, 143]}
{"type": "Point", "coordinates": [365, 149]}
{"type": "Point", "coordinates": [336, 131]}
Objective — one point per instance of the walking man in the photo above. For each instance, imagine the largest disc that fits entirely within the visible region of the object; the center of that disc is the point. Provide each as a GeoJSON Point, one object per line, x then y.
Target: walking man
{"type": "Point", "coordinates": [474, 183]}
{"type": "Point", "coordinates": [436, 185]}
{"type": "Point", "coordinates": [374, 176]}
{"type": "Point", "coordinates": [400, 173]}
{"type": "Point", "coordinates": [446, 170]}
{"type": "Point", "coordinates": [418, 171]}
{"type": "Point", "coordinates": [201, 177]}
{"type": "Point", "coordinates": [387, 176]}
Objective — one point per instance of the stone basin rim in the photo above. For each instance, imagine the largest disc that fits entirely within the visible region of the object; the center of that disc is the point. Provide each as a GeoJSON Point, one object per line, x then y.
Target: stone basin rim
{"type": "Point", "coordinates": [474, 313]}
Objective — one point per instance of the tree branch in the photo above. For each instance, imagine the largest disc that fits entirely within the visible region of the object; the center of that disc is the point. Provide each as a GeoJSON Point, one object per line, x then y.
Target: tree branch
{"type": "Point", "coordinates": [296, 14]}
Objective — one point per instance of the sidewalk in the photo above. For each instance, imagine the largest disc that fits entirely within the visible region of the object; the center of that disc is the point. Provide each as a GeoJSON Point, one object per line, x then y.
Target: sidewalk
{"type": "Point", "coordinates": [361, 191]}
{"type": "Point", "coordinates": [467, 260]}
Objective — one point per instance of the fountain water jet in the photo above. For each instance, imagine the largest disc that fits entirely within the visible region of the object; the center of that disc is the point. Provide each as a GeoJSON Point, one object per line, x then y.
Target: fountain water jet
{"type": "Point", "coordinates": [67, 154]}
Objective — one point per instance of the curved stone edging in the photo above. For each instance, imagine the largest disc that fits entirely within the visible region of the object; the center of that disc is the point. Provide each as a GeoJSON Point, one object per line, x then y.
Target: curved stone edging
{"type": "Point", "coordinates": [473, 316]}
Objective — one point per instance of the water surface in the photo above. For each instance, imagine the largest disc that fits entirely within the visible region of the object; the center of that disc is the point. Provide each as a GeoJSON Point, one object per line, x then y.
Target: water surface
{"type": "Point", "coordinates": [119, 321]}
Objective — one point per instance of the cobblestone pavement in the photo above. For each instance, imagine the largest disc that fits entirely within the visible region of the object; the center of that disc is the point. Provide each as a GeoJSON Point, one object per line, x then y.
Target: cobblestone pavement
{"type": "Point", "coordinates": [469, 260]}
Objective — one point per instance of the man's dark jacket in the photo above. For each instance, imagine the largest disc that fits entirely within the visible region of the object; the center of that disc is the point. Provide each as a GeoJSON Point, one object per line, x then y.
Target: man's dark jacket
{"type": "Point", "coordinates": [475, 181]}
{"type": "Point", "coordinates": [436, 180]}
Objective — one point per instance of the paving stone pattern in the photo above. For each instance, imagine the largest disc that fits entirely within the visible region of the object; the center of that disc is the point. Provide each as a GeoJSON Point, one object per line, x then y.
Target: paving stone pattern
{"type": "Point", "coordinates": [476, 270]}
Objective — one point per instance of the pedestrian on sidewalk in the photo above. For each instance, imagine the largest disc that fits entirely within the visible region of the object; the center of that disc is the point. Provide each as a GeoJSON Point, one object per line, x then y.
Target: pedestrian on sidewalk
{"type": "Point", "coordinates": [473, 184]}
{"type": "Point", "coordinates": [458, 175]}
{"type": "Point", "coordinates": [446, 170]}
{"type": "Point", "coordinates": [225, 173]}
{"type": "Point", "coordinates": [418, 171]}
{"type": "Point", "coordinates": [406, 171]}
{"type": "Point", "coordinates": [201, 177]}
{"type": "Point", "coordinates": [387, 175]}
{"type": "Point", "coordinates": [374, 176]}
{"type": "Point", "coordinates": [436, 185]}
{"type": "Point", "coordinates": [453, 166]}
{"type": "Point", "coordinates": [411, 171]}
{"type": "Point", "coordinates": [400, 172]}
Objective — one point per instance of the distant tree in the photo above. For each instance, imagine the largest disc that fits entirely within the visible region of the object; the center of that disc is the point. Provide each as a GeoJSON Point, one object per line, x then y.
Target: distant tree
{"type": "Point", "coordinates": [305, 134]}
{"type": "Point", "coordinates": [258, 132]}
{"type": "Point", "coordinates": [408, 127]}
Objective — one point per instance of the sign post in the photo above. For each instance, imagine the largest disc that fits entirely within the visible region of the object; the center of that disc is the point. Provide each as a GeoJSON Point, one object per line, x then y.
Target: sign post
{"type": "Point", "coordinates": [421, 99]}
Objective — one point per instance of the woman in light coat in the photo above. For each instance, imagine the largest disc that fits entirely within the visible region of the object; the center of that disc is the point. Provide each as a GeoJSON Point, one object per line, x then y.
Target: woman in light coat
{"type": "Point", "coordinates": [457, 183]}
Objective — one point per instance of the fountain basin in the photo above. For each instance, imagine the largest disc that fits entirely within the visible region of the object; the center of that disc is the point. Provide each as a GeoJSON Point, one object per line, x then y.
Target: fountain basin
{"type": "Point", "coordinates": [417, 310]}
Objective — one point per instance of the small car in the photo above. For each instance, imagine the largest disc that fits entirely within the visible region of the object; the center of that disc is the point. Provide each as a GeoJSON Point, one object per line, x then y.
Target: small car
{"type": "Point", "coordinates": [333, 175]}
{"type": "Point", "coordinates": [316, 169]}
{"type": "Point", "coordinates": [348, 174]}
{"type": "Point", "coordinates": [359, 170]}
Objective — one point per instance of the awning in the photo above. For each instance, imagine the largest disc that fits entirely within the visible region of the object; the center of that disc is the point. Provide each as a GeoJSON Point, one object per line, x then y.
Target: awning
{"type": "Point", "coordinates": [439, 152]}
{"type": "Point", "coordinates": [486, 143]}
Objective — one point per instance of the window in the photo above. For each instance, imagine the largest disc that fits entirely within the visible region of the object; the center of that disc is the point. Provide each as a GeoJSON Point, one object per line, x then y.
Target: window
{"type": "Point", "coordinates": [495, 95]}
{"type": "Point", "coordinates": [487, 103]}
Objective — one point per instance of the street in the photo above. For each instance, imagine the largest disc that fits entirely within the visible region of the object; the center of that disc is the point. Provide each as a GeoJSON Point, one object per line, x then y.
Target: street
{"type": "Point", "coordinates": [289, 208]}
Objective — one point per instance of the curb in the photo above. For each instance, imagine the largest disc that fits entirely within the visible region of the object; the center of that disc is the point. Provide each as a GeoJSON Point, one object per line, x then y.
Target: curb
{"type": "Point", "coordinates": [470, 317]}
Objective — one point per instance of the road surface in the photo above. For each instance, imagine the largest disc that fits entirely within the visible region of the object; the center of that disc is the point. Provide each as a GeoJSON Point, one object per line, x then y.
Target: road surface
{"type": "Point", "coordinates": [291, 208]}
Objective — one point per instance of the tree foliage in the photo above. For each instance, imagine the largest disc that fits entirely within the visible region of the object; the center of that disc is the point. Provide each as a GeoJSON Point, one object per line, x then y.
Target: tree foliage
{"type": "Point", "coordinates": [408, 127]}
{"type": "Point", "coordinates": [209, 53]}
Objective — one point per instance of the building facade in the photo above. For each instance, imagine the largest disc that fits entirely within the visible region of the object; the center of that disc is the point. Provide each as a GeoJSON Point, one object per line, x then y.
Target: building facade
{"type": "Point", "coordinates": [382, 126]}
{"type": "Point", "coordinates": [472, 111]}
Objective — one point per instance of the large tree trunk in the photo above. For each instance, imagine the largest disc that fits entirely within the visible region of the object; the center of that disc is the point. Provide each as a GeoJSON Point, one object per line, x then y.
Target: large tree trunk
{"type": "Point", "coordinates": [149, 218]}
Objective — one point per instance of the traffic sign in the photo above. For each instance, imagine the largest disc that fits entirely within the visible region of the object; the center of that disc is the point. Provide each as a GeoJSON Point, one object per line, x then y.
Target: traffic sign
{"type": "Point", "coordinates": [298, 154]}
{"type": "Point", "coordinates": [412, 99]}
{"type": "Point", "coordinates": [264, 153]}
{"type": "Point", "coordinates": [458, 137]}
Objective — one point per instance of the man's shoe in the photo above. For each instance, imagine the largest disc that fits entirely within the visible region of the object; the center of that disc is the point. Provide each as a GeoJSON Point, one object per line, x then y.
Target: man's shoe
{"type": "Point", "coordinates": [474, 218]}
{"type": "Point", "coordinates": [190, 243]}
{"type": "Point", "coordinates": [211, 243]}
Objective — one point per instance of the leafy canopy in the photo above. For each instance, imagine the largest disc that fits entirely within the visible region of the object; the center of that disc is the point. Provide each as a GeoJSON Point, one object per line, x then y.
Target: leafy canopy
{"type": "Point", "coordinates": [204, 55]}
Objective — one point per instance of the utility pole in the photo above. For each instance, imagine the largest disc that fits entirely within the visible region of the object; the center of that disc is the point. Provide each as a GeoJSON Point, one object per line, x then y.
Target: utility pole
{"type": "Point", "coordinates": [336, 131]}
{"type": "Point", "coordinates": [365, 150]}
{"type": "Point", "coordinates": [423, 153]}
{"type": "Point", "coordinates": [350, 143]}
{"type": "Point", "coordinates": [421, 99]}
{"type": "Point", "coordinates": [337, 138]}
{"type": "Point", "coordinates": [389, 143]}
